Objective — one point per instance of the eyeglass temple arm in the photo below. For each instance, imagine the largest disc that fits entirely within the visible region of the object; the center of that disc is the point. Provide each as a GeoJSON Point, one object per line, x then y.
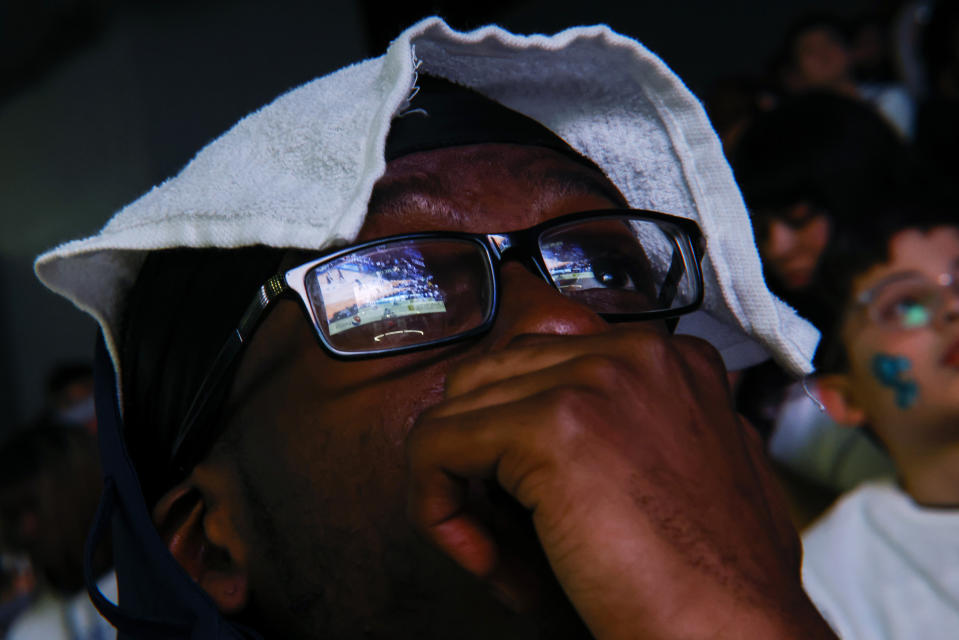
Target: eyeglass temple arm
{"type": "Point", "coordinates": [225, 359]}
{"type": "Point", "coordinates": [677, 269]}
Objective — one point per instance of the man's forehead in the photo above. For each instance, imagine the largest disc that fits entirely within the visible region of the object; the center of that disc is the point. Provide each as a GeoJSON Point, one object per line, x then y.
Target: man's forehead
{"type": "Point", "coordinates": [450, 188]}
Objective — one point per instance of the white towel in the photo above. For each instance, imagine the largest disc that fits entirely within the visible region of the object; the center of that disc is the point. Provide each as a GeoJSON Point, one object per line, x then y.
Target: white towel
{"type": "Point", "coordinates": [299, 172]}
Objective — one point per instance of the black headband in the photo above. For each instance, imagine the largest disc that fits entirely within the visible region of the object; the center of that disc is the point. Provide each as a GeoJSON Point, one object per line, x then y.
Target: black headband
{"type": "Point", "coordinates": [444, 114]}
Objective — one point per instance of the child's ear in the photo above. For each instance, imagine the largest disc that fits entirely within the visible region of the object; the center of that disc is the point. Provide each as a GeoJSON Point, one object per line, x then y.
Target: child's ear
{"type": "Point", "coordinates": [836, 394]}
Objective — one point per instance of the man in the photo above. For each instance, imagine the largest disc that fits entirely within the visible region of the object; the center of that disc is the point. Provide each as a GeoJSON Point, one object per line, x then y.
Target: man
{"type": "Point", "coordinates": [493, 458]}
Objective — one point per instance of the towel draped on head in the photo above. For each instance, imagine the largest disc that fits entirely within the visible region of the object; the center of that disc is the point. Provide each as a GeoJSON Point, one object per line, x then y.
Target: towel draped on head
{"type": "Point", "coordinates": [170, 274]}
{"type": "Point", "coordinates": [298, 173]}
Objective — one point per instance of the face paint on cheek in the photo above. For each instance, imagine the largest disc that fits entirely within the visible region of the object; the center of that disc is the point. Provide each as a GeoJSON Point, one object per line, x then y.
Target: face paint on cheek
{"type": "Point", "coordinates": [889, 370]}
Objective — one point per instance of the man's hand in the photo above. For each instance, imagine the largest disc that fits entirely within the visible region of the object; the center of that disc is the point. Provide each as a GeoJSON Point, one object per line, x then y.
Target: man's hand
{"type": "Point", "coordinates": [648, 493]}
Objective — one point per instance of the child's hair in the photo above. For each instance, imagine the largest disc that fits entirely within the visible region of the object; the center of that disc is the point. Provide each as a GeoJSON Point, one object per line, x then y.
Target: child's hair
{"type": "Point", "coordinates": [867, 247]}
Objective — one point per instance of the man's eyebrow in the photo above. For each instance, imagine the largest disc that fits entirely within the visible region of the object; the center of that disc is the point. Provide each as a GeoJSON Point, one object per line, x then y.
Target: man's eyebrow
{"type": "Point", "coordinates": [574, 181]}
{"type": "Point", "coordinates": [427, 192]}
{"type": "Point", "coordinates": [417, 191]}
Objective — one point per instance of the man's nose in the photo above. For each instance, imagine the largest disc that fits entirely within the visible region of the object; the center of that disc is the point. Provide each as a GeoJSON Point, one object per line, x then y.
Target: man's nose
{"type": "Point", "coordinates": [528, 305]}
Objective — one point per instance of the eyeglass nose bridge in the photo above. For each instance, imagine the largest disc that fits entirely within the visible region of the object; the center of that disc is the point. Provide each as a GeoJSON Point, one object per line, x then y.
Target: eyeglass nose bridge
{"type": "Point", "coordinates": [513, 246]}
{"type": "Point", "coordinates": [502, 241]}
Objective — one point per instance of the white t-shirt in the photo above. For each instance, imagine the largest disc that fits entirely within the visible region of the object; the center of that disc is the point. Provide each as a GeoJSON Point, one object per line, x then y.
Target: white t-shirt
{"type": "Point", "coordinates": [74, 618]}
{"type": "Point", "coordinates": [879, 566]}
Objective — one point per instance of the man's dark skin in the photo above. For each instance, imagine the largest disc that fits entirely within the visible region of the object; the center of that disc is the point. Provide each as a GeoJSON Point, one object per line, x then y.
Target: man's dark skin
{"type": "Point", "coordinates": [354, 499]}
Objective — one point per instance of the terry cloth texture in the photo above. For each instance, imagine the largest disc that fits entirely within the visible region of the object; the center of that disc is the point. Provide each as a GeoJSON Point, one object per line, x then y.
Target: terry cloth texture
{"type": "Point", "coordinates": [299, 172]}
{"type": "Point", "coordinates": [445, 114]}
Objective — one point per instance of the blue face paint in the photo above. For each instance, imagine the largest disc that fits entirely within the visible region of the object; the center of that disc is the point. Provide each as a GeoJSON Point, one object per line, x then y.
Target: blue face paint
{"type": "Point", "coordinates": [889, 371]}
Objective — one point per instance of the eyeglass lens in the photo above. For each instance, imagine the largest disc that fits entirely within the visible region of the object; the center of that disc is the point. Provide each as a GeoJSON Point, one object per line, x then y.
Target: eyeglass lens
{"type": "Point", "coordinates": [908, 303]}
{"type": "Point", "coordinates": [414, 291]}
{"type": "Point", "coordinates": [617, 266]}
{"type": "Point", "coordinates": [401, 293]}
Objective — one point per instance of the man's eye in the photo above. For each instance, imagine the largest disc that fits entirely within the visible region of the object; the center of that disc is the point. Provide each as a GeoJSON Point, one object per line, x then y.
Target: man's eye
{"type": "Point", "coordinates": [613, 273]}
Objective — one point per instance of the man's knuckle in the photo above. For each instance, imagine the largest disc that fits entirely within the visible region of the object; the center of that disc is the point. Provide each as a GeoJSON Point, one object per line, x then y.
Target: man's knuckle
{"type": "Point", "coordinates": [599, 369]}
{"type": "Point", "coordinates": [702, 352]}
{"type": "Point", "coordinates": [572, 409]}
{"type": "Point", "coordinates": [650, 346]}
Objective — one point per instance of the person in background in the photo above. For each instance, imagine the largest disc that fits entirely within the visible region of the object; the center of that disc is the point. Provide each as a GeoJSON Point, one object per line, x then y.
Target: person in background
{"type": "Point", "coordinates": [937, 135]}
{"type": "Point", "coordinates": [883, 563]}
{"type": "Point", "coordinates": [813, 171]}
{"type": "Point", "coordinates": [734, 102]}
{"type": "Point", "coordinates": [69, 397]}
{"type": "Point", "coordinates": [49, 485]}
{"type": "Point", "coordinates": [817, 57]}
{"type": "Point", "coordinates": [17, 587]}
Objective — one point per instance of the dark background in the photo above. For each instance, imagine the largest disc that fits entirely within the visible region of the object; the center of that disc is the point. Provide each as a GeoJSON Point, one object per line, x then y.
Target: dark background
{"type": "Point", "coordinates": [102, 99]}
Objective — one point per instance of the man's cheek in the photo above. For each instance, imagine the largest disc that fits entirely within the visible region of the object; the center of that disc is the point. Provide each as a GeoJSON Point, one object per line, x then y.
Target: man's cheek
{"type": "Point", "coordinates": [409, 403]}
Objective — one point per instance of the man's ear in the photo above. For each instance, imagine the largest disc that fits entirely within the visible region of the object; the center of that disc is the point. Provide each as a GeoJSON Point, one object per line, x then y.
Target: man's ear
{"type": "Point", "coordinates": [201, 534]}
{"type": "Point", "coordinates": [836, 394]}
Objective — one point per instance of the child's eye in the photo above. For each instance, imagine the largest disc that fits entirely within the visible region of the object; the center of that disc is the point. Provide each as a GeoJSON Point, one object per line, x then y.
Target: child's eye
{"type": "Point", "coordinates": [913, 313]}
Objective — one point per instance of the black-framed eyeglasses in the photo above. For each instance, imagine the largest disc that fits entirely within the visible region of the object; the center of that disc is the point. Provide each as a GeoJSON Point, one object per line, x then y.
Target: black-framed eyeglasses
{"type": "Point", "coordinates": [420, 290]}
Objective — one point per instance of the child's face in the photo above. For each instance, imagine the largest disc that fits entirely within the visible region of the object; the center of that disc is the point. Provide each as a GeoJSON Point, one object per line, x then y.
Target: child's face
{"type": "Point", "coordinates": [903, 340]}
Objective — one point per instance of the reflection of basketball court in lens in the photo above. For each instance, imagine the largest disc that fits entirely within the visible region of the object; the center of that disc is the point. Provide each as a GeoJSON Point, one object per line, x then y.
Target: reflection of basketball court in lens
{"type": "Point", "coordinates": [385, 311]}
{"type": "Point", "coordinates": [381, 286]}
{"type": "Point", "coordinates": [388, 334]}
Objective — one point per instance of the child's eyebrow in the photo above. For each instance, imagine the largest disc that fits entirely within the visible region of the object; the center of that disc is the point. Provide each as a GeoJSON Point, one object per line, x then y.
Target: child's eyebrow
{"type": "Point", "coordinates": [865, 295]}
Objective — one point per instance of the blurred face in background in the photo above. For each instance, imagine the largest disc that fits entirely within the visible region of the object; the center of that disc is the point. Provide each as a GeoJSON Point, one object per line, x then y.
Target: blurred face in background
{"type": "Point", "coordinates": [47, 513]}
{"type": "Point", "coordinates": [792, 242]}
{"type": "Point", "coordinates": [820, 59]}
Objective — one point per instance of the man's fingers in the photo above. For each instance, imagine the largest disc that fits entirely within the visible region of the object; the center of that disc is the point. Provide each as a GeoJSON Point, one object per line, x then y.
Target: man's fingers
{"type": "Point", "coordinates": [446, 452]}
{"type": "Point", "coordinates": [533, 354]}
{"type": "Point", "coordinates": [639, 348]}
{"type": "Point", "coordinates": [476, 444]}
{"type": "Point", "coordinates": [442, 457]}
{"type": "Point", "coordinates": [578, 371]}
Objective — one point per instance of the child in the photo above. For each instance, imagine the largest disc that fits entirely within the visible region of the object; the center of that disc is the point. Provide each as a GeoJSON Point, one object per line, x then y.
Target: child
{"type": "Point", "coordinates": [884, 561]}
